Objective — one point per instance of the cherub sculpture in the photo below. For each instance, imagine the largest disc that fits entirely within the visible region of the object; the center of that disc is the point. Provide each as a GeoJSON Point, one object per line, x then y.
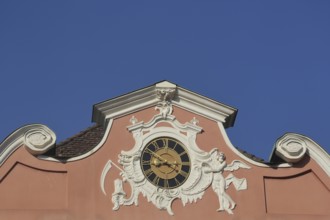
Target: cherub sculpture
{"type": "Point", "coordinates": [220, 183]}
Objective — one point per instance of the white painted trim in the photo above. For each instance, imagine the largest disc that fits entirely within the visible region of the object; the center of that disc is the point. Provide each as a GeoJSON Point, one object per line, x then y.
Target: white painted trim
{"type": "Point", "coordinates": [291, 148]}
{"type": "Point", "coordinates": [315, 151]}
{"type": "Point", "coordinates": [147, 97]}
{"type": "Point", "coordinates": [234, 149]}
{"type": "Point", "coordinates": [22, 137]}
{"type": "Point", "coordinates": [39, 140]}
{"type": "Point", "coordinates": [204, 106]}
{"type": "Point", "coordinates": [124, 105]}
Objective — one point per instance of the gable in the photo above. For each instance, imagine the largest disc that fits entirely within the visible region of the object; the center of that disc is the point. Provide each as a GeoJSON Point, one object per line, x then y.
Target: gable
{"type": "Point", "coordinates": [164, 91]}
{"type": "Point", "coordinates": [160, 151]}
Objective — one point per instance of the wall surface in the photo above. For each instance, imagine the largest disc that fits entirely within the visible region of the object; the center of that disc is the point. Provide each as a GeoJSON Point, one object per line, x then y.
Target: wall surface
{"type": "Point", "coordinates": [33, 188]}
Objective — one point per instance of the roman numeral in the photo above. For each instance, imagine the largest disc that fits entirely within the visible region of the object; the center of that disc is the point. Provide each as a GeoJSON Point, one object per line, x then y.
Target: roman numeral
{"type": "Point", "coordinates": [148, 172]}
{"type": "Point", "coordinates": [145, 162]}
{"type": "Point", "coordinates": [183, 153]}
{"type": "Point", "coordinates": [156, 180]}
{"type": "Point", "coordinates": [183, 173]}
{"type": "Point", "coordinates": [148, 151]}
{"type": "Point", "coordinates": [167, 184]}
{"type": "Point", "coordinates": [165, 142]}
{"type": "Point", "coordinates": [175, 146]}
{"type": "Point", "coordinates": [177, 182]}
{"type": "Point", "coordinates": [156, 145]}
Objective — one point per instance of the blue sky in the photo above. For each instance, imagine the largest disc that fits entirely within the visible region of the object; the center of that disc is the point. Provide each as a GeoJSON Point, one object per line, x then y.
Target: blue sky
{"type": "Point", "coordinates": [269, 59]}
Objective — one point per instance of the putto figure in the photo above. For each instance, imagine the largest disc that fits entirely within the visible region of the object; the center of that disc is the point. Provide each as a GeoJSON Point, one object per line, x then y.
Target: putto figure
{"type": "Point", "coordinates": [220, 183]}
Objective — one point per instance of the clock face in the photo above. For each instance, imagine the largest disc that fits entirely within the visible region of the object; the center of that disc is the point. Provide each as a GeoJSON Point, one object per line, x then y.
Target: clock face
{"type": "Point", "coordinates": [165, 162]}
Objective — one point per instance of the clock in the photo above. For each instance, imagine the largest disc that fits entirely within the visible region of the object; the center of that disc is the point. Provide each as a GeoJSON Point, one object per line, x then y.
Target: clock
{"type": "Point", "coordinates": [165, 162]}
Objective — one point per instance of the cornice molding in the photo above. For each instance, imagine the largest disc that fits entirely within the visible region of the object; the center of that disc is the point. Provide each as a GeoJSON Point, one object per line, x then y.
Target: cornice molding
{"type": "Point", "coordinates": [124, 105]}
{"type": "Point", "coordinates": [161, 93]}
{"type": "Point", "coordinates": [247, 159]}
{"type": "Point", "coordinates": [315, 151]}
{"type": "Point", "coordinates": [36, 138]}
{"type": "Point", "coordinates": [300, 145]}
{"type": "Point", "coordinates": [206, 107]}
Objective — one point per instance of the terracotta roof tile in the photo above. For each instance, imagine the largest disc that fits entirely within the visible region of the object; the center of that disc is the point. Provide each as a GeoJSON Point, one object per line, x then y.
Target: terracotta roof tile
{"type": "Point", "coordinates": [80, 143]}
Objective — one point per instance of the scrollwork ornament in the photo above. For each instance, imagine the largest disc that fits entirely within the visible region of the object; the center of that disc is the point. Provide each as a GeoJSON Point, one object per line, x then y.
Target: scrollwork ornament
{"type": "Point", "coordinates": [291, 148]}
{"type": "Point", "coordinates": [207, 170]}
{"type": "Point", "coordinates": [39, 140]}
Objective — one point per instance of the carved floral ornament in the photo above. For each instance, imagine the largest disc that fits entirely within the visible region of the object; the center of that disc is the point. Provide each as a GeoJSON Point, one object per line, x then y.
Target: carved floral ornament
{"type": "Point", "coordinates": [206, 169]}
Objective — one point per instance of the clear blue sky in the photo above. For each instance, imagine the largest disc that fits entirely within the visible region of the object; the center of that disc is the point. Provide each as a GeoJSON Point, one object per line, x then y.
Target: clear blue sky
{"type": "Point", "coordinates": [269, 59]}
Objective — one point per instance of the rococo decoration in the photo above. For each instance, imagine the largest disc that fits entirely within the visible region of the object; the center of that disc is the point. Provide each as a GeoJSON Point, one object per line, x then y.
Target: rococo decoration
{"type": "Point", "coordinates": [166, 164]}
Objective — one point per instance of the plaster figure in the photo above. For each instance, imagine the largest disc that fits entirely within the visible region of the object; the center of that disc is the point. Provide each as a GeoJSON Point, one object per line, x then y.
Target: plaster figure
{"type": "Point", "coordinates": [219, 183]}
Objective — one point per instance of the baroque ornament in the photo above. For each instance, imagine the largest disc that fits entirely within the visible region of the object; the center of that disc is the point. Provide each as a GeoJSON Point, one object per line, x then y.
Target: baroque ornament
{"type": "Point", "coordinates": [207, 170]}
{"type": "Point", "coordinates": [166, 164]}
{"type": "Point", "coordinates": [291, 148]}
{"type": "Point", "coordinates": [165, 96]}
{"type": "Point", "coordinates": [39, 139]}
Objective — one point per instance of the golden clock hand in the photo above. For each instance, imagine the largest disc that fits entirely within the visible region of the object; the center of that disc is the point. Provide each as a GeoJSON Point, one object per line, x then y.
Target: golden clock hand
{"type": "Point", "coordinates": [158, 157]}
{"type": "Point", "coordinates": [173, 163]}
{"type": "Point", "coordinates": [156, 162]}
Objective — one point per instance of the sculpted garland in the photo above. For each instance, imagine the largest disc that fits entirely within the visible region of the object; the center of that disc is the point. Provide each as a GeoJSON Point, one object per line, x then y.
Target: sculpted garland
{"type": "Point", "coordinates": [166, 164]}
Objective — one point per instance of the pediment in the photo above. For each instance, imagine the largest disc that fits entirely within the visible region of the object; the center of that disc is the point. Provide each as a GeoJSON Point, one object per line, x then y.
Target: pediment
{"type": "Point", "coordinates": [164, 90]}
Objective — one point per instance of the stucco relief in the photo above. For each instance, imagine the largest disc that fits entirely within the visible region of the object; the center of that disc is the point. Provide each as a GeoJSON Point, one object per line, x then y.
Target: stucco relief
{"type": "Point", "coordinates": [217, 166]}
{"type": "Point", "coordinates": [206, 168]}
{"type": "Point", "coordinates": [39, 140]}
{"type": "Point", "coordinates": [165, 94]}
{"type": "Point", "coordinates": [291, 148]}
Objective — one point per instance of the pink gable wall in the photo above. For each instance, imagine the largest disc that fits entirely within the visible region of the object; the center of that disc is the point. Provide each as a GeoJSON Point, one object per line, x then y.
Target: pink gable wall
{"type": "Point", "coordinates": [32, 188]}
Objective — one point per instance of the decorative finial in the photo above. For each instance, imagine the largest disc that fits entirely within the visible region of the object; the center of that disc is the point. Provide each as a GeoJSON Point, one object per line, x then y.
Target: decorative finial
{"type": "Point", "coordinates": [133, 120]}
{"type": "Point", "coordinates": [194, 121]}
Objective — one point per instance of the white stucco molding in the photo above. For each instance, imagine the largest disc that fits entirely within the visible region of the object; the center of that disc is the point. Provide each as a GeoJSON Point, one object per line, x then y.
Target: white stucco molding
{"type": "Point", "coordinates": [300, 145]}
{"type": "Point", "coordinates": [161, 92]}
{"type": "Point", "coordinates": [247, 159]}
{"type": "Point", "coordinates": [97, 147]}
{"type": "Point", "coordinates": [206, 167]}
{"type": "Point", "coordinates": [37, 139]}
{"type": "Point", "coordinates": [291, 147]}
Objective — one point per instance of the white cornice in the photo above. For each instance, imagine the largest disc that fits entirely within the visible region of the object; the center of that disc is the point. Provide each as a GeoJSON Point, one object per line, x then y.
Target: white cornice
{"type": "Point", "coordinates": [242, 156]}
{"type": "Point", "coordinates": [204, 106]}
{"type": "Point", "coordinates": [124, 105]}
{"type": "Point", "coordinates": [314, 150]}
{"type": "Point", "coordinates": [37, 139]}
{"type": "Point", "coordinates": [149, 96]}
